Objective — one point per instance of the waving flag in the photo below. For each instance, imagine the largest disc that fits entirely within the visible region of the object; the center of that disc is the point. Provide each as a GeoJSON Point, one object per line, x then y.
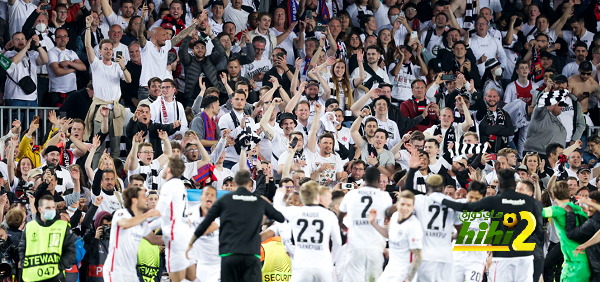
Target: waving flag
{"type": "Point", "coordinates": [292, 10]}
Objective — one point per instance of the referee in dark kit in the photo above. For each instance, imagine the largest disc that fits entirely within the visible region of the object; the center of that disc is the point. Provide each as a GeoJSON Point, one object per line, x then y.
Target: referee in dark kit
{"type": "Point", "coordinates": [241, 214]}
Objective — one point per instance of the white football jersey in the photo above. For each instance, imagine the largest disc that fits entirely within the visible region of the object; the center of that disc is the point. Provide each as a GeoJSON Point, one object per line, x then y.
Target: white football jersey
{"type": "Point", "coordinates": [357, 204]}
{"type": "Point", "coordinates": [206, 248]}
{"type": "Point", "coordinates": [284, 230]}
{"type": "Point", "coordinates": [172, 205]}
{"type": "Point", "coordinates": [312, 226]}
{"type": "Point", "coordinates": [438, 222]}
{"type": "Point", "coordinates": [403, 237]}
{"type": "Point", "coordinates": [123, 247]}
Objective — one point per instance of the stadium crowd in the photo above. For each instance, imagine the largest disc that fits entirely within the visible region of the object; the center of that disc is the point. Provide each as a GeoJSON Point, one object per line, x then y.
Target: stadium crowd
{"type": "Point", "coordinates": [310, 140]}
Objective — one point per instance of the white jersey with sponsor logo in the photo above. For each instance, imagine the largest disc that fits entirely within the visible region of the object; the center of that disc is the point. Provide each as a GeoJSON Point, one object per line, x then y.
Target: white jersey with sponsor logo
{"type": "Point", "coordinates": [312, 226]}
{"type": "Point", "coordinates": [206, 248]}
{"type": "Point", "coordinates": [403, 237]}
{"type": "Point", "coordinates": [357, 204]}
{"type": "Point", "coordinates": [172, 205]}
{"type": "Point", "coordinates": [121, 261]}
{"type": "Point", "coordinates": [438, 222]}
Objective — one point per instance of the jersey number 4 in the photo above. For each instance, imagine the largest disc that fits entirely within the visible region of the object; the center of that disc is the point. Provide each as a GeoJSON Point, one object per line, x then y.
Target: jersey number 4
{"type": "Point", "coordinates": [435, 215]}
{"type": "Point", "coordinates": [319, 230]}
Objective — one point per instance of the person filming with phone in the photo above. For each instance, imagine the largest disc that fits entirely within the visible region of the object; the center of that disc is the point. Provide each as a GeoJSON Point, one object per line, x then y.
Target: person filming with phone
{"type": "Point", "coordinates": [107, 91]}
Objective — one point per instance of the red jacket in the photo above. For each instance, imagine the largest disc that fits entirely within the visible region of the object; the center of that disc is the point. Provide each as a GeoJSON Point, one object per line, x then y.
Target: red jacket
{"type": "Point", "coordinates": [410, 109]}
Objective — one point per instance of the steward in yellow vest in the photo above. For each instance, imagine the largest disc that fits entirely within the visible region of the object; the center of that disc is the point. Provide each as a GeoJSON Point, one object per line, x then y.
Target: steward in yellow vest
{"type": "Point", "coordinates": [47, 245]}
{"type": "Point", "coordinates": [276, 263]}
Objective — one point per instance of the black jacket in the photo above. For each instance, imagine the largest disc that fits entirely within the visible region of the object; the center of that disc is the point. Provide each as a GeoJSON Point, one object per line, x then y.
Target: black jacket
{"type": "Point", "coordinates": [507, 201]}
{"type": "Point", "coordinates": [69, 253]}
{"type": "Point", "coordinates": [77, 104]}
{"type": "Point", "coordinates": [134, 127]}
{"type": "Point", "coordinates": [241, 214]}
{"type": "Point", "coordinates": [584, 232]}
{"type": "Point", "coordinates": [194, 67]}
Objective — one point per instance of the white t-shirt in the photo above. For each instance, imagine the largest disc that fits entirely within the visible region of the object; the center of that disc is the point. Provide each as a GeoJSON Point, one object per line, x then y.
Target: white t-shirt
{"type": "Point", "coordinates": [261, 66]}
{"type": "Point", "coordinates": [306, 156]}
{"type": "Point", "coordinates": [18, 14]}
{"type": "Point", "coordinates": [401, 89]}
{"type": "Point", "coordinates": [226, 122]}
{"type": "Point", "coordinates": [238, 17]}
{"type": "Point", "coordinates": [110, 203]}
{"type": "Point", "coordinates": [221, 175]}
{"type": "Point", "coordinates": [571, 39]}
{"type": "Point", "coordinates": [65, 83]}
{"type": "Point", "coordinates": [123, 248]}
{"type": "Point", "coordinates": [172, 205]}
{"type": "Point", "coordinates": [357, 204]}
{"type": "Point", "coordinates": [114, 19]}
{"type": "Point", "coordinates": [380, 72]}
{"type": "Point", "coordinates": [287, 44]}
{"type": "Point", "coordinates": [26, 67]}
{"type": "Point", "coordinates": [328, 176]}
{"type": "Point", "coordinates": [206, 248]}
{"type": "Point", "coordinates": [391, 127]}
{"type": "Point", "coordinates": [312, 226]}
{"type": "Point", "coordinates": [438, 222]}
{"type": "Point", "coordinates": [154, 62]}
{"type": "Point", "coordinates": [107, 80]}
{"type": "Point", "coordinates": [403, 237]}
{"type": "Point", "coordinates": [434, 44]}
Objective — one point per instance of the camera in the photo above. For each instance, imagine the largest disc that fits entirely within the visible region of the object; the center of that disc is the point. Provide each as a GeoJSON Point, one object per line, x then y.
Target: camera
{"type": "Point", "coordinates": [347, 186]}
{"type": "Point", "coordinates": [105, 232]}
{"type": "Point", "coordinates": [7, 266]}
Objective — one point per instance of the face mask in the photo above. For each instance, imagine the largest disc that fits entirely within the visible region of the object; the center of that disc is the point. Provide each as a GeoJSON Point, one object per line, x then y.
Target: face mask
{"type": "Point", "coordinates": [49, 215]}
{"type": "Point", "coordinates": [498, 72]}
{"type": "Point", "coordinates": [41, 27]}
{"type": "Point", "coordinates": [393, 19]}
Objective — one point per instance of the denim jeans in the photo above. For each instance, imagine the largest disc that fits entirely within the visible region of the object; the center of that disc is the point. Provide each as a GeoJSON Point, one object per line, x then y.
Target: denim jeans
{"type": "Point", "coordinates": [22, 103]}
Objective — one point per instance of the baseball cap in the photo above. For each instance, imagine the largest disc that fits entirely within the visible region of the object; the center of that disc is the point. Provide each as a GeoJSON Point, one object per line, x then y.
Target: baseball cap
{"type": "Point", "coordinates": [285, 116]}
{"type": "Point", "coordinates": [585, 66]}
{"type": "Point", "coordinates": [34, 172]}
{"type": "Point", "coordinates": [491, 63]}
{"type": "Point", "coordinates": [218, 2]}
{"type": "Point", "coordinates": [51, 148]}
{"type": "Point", "coordinates": [522, 167]}
{"type": "Point", "coordinates": [434, 64]}
{"type": "Point", "coordinates": [583, 168]}
{"type": "Point", "coordinates": [546, 54]}
{"type": "Point", "coordinates": [331, 101]}
{"type": "Point", "coordinates": [560, 78]}
{"type": "Point", "coordinates": [312, 82]}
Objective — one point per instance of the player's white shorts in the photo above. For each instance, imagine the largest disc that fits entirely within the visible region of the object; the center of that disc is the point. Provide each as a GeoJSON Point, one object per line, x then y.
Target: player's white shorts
{"type": "Point", "coordinates": [363, 265]}
{"type": "Point", "coordinates": [311, 275]}
{"type": "Point", "coordinates": [433, 271]}
{"type": "Point", "coordinates": [208, 272]}
{"type": "Point", "coordinates": [519, 269]}
{"type": "Point", "coordinates": [175, 255]}
{"type": "Point", "coordinates": [468, 271]}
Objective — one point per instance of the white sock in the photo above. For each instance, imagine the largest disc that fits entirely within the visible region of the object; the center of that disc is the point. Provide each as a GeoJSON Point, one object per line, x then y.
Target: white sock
{"type": "Point", "coordinates": [185, 280]}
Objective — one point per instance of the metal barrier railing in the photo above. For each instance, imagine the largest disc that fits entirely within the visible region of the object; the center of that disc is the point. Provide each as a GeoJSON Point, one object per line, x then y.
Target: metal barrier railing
{"type": "Point", "coordinates": [25, 114]}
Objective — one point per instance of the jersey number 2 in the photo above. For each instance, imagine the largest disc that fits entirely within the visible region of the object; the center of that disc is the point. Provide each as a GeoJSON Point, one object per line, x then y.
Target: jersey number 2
{"type": "Point", "coordinates": [369, 200]}
{"type": "Point", "coordinates": [319, 230]}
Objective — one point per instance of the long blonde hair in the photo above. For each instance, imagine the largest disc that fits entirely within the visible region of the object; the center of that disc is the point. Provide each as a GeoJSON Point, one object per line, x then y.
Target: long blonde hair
{"type": "Point", "coordinates": [348, 97]}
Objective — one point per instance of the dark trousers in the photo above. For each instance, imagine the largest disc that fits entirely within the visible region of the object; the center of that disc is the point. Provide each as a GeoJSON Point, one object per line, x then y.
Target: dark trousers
{"type": "Point", "coordinates": [240, 268]}
{"type": "Point", "coordinates": [553, 263]}
{"type": "Point", "coordinates": [595, 277]}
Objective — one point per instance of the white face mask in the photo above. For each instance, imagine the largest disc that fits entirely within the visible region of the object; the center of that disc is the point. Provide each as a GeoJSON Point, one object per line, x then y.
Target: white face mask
{"type": "Point", "coordinates": [41, 27]}
{"type": "Point", "coordinates": [498, 72]}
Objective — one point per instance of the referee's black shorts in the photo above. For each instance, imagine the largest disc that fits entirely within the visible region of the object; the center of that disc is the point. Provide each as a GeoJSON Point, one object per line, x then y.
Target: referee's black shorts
{"type": "Point", "coordinates": [240, 268]}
